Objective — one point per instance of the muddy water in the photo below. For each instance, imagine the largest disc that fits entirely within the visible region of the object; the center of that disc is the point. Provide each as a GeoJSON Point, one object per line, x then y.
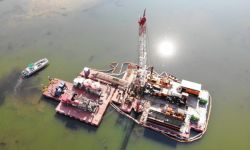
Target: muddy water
{"type": "Point", "coordinates": [209, 43]}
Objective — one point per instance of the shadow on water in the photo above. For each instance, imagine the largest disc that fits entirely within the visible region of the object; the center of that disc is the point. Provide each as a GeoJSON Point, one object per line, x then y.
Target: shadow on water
{"type": "Point", "coordinates": [51, 102]}
{"type": "Point", "coordinates": [131, 129]}
{"type": "Point", "coordinates": [2, 144]}
{"type": "Point", "coordinates": [108, 112]}
{"type": "Point", "coordinates": [157, 137]}
{"type": "Point", "coordinates": [91, 58]}
{"type": "Point", "coordinates": [7, 84]}
{"type": "Point", "coordinates": [74, 124]}
{"type": "Point", "coordinates": [128, 127]}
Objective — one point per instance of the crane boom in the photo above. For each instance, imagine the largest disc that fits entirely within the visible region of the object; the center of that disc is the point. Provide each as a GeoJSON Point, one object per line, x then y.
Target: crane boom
{"type": "Point", "coordinates": [142, 48]}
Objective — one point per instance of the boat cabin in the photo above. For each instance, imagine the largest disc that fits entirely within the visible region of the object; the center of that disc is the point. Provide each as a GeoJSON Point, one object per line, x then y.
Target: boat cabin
{"type": "Point", "coordinates": [191, 87]}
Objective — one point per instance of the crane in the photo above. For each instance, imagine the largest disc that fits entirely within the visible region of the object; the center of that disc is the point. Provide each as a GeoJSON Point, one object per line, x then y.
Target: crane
{"type": "Point", "coordinates": [142, 50]}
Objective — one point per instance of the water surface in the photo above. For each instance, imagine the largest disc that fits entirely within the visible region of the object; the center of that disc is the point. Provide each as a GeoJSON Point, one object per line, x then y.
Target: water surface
{"type": "Point", "coordinates": [211, 41]}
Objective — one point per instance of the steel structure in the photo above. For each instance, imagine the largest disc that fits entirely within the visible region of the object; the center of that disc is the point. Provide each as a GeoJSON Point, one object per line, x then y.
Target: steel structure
{"type": "Point", "coordinates": [142, 49]}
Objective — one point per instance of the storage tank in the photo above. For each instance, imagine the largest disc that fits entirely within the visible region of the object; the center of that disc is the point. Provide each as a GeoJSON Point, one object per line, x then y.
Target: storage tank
{"type": "Point", "coordinates": [87, 83]}
{"type": "Point", "coordinates": [86, 71]}
{"type": "Point", "coordinates": [78, 82]}
{"type": "Point", "coordinates": [96, 86]}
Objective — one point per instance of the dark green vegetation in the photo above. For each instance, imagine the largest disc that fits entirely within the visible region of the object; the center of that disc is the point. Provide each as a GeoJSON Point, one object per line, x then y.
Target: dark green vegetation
{"type": "Point", "coordinates": [194, 119]}
{"type": "Point", "coordinates": [202, 102]}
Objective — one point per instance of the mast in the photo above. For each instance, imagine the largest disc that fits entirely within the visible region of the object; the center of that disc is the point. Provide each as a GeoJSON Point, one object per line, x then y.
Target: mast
{"type": "Point", "coordinates": [142, 49]}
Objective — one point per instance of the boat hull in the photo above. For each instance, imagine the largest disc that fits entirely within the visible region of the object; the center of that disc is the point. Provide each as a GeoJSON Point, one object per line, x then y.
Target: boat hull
{"type": "Point", "coordinates": [38, 66]}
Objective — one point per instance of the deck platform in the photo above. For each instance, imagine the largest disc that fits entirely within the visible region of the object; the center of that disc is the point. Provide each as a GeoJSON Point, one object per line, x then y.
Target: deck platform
{"type": "Point", "coordinates": [50, 89]}
{"type": "Point", "coordinates": [84, 116]}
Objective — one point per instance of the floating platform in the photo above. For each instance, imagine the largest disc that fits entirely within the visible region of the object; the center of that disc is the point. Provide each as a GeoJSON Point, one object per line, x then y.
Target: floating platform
{"type": "Point", "coordinates": [162, 102]}
{"type": "Point", "coordinates": [73, 112]}
{"type": "Point", "coordinates": [119, 93]}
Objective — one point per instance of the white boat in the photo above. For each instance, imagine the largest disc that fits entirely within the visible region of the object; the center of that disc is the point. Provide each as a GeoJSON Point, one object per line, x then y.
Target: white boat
{"type": "Point", "coordinates": [34, 67]}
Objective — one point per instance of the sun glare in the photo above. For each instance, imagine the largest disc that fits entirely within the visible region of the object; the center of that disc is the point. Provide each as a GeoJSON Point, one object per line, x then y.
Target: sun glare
{"type": "Point", "coordinates": [166, 48]}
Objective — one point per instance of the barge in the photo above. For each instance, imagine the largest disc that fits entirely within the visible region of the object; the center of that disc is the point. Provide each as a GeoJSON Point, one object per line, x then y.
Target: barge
{"type": "Point", "coordinates": [162, 102]}
{"type": "Point", "coordinates": [78, 103]}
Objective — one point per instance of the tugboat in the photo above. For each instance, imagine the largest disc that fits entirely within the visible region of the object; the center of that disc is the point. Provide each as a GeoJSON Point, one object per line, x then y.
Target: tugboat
{"type": "Point", "coordinates": [34, 67]}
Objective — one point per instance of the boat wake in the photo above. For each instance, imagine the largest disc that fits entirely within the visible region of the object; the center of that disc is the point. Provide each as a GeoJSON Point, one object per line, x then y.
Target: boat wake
{"type": "Point", "coordinates": [18, 85]}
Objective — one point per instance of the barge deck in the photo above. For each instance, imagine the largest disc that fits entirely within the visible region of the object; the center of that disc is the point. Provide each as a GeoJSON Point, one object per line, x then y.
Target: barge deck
{"type": "Point", "coordinates": [119, 93]}
{"type": "Point", "coordinates": [92, 118]}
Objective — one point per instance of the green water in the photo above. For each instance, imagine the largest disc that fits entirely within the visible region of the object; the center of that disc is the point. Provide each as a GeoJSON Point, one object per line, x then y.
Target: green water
{"type": "Point", "coordinates": [212, 46]}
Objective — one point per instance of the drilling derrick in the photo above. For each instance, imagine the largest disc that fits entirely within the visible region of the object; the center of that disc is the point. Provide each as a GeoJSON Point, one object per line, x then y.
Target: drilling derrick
{"type": "Point", "coordinates": [142, 71]}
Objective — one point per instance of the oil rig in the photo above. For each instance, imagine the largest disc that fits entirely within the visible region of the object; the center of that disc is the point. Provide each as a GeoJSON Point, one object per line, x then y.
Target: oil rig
{"type": "Point", "coordinates": [162, 102]}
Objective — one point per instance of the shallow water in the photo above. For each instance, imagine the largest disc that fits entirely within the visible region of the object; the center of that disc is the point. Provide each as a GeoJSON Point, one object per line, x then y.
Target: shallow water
{"type": "Point", "coordinates": [211, 42]}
